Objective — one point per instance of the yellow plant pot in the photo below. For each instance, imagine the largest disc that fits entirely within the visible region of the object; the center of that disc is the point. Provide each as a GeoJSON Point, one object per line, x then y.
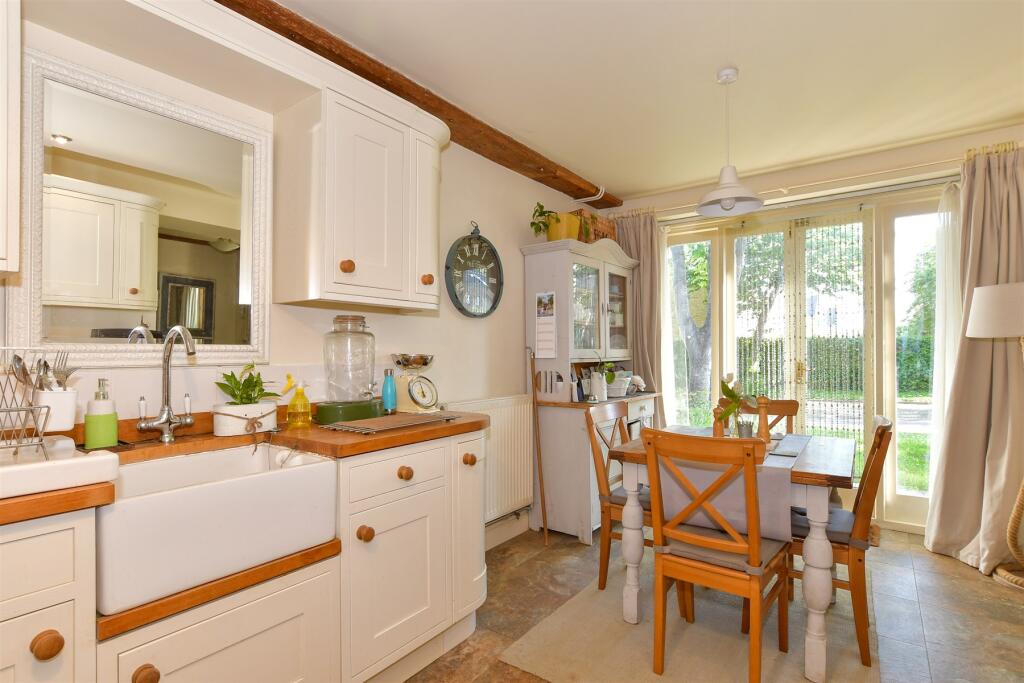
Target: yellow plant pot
{"type": "Point", "coordinates": [567, 227]}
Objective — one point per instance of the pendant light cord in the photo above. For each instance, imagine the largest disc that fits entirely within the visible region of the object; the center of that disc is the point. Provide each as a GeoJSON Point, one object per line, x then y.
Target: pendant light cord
{"type": "Point", "coordinates": [728, 123]}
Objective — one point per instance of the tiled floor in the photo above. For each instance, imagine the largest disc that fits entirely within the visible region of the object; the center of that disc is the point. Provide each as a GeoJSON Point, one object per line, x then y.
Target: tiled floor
{"type": "Point", "coordinates": [936, 619]}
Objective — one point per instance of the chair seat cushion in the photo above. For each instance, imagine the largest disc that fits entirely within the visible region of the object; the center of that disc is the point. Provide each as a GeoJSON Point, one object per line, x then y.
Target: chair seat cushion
{"type": "Point", "coordinates": [840, 526]}
{"type": "Point", "coordinates": [618, 497]}
{"type": "Point", "coordinates": [769, 549]}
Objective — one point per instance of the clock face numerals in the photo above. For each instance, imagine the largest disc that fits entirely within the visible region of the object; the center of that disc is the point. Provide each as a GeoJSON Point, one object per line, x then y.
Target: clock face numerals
{"type": "Point", "coordinates": [423, 392]}
{"type": "Point", "coordinates": [474, 276]}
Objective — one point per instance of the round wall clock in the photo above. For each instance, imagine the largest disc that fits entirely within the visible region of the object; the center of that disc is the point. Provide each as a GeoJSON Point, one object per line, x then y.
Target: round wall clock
{"type": "Point", "coordinates": [473, 275]}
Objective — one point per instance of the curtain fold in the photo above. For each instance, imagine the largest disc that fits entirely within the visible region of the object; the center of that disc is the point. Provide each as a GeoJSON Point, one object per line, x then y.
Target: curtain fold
{"type": "Point", "coordinates": [640, 237]}
{"type": "Point", "coordinates": [981, 463]}
{"type": "Point", "coordinates": [948, 316]}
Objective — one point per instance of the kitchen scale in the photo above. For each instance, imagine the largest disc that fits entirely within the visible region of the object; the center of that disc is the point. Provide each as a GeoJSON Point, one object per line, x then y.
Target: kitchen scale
{"type": "Point", "coordinates": [415, 392]}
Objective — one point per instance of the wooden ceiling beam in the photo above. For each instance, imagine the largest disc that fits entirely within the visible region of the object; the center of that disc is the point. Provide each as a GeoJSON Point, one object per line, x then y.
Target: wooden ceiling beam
{"type": "Point", "coordinates": [466, 129]}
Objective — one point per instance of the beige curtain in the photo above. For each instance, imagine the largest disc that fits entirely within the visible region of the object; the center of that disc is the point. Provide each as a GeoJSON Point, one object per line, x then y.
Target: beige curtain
{"type": "Point", "coordinates": [640, 237]}
{"type": "Point", "coordinates": [982, 460]}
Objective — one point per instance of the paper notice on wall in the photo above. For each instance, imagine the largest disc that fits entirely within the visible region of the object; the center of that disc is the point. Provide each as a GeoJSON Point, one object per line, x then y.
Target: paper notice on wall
{"type": "Point", "coordinates": [546, 344]}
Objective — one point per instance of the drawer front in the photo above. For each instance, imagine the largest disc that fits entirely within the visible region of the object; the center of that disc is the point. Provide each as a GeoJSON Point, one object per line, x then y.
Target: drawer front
{"type": "Point", "coordinates": [282, 637]}
{"type": "Point", "coordinates": [382, 476]}
{"type": "Point", "coordinates": [18, 662]}
{"type": "Point", "coordinates": [397, 578]}
{"type": "Point", "coordinates": [33, 563]}
{"type": "Point", "coordinates": [641, 409]}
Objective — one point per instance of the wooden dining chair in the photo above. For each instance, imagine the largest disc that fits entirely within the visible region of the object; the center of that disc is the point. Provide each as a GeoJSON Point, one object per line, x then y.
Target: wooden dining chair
{"type": "Point", "coordinates": [848, 531]}
{"type": "Point", "coordinates": [777, 409]}
{"type": "Point", "coordinates": [725, 560]}
{"type": "Point", "coordinates": [610, 492]}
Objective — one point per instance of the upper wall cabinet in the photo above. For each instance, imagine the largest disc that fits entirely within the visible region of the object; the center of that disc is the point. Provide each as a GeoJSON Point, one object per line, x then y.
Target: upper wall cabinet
{"type": "Point", "coordinates": [10, 135]}
{"type": "Point", "coordinates": [356, 206]}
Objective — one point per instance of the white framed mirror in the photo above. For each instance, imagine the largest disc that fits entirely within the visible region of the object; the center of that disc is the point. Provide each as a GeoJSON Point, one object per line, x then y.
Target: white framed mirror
{"type": "Point", "coordinates": [139, 213]}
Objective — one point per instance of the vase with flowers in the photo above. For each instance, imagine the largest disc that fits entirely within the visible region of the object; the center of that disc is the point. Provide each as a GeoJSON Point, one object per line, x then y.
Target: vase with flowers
{"type": "Point", "coordinates": [736, 400]}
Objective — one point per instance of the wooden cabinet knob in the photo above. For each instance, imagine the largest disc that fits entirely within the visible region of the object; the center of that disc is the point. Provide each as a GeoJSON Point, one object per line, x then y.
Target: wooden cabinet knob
{"type": "Point", "coordinates": [427, 279]}
{"type": "Point", "coordinates": [365, 533]}
{"type": "Point", "coordinates": [133, 290]}
{"type": "Point", "coordinates": [46, 645]}
{"type": "Point", "coordinates": [147, 673]}
{"type": "Point", "coordinates": [469, 459]}
{"type": "Point", "coordinates": [405, 473]}
{"type": "Point", "coordinates": [347, 266]}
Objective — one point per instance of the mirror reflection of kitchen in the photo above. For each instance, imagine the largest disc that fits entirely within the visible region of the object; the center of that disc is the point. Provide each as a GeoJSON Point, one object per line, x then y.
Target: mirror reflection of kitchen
{"type": "Point", "coordinates": [143, 225]}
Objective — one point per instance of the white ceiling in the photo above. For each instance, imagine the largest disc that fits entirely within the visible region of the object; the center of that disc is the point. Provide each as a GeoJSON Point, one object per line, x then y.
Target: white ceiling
{"type": "Point", "coordinates": [111, 130]}
{"type": "Point", "coordinates": [623, 93]}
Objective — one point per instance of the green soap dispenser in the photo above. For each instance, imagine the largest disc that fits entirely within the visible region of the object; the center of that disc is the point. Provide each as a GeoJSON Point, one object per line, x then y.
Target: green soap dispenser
{"type": "Point", "coordinates": [101, 419]}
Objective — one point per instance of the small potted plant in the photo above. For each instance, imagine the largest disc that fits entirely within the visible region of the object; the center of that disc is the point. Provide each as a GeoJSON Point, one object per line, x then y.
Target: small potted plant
{"type": "Point", "coordinates": [733, 392]}
{"type": "Point", "coordinates": [601, 376]}
{"type": "Point", "coordinates": [558, 226]}
{"type": "Point", "coordinates": [249, 411]}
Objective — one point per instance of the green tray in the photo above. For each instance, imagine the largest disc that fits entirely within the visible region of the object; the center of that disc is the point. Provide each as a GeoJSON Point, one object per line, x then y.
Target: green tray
{"type": "Point", "coordinates": [330, 412]}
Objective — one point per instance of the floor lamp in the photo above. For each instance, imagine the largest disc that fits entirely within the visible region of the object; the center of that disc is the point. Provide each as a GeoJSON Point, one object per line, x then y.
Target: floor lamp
{"type": "Point", "coordinates": [997, 311]}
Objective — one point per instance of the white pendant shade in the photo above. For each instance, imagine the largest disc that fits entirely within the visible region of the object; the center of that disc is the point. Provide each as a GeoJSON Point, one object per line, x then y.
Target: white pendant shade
{"type": "Point", "coordinates": [730, 197]}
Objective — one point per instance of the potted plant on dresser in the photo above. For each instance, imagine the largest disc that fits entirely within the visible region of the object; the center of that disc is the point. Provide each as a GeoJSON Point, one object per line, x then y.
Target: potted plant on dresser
{"type": "Point", "coordinates": [249, 410]}
{"type": "Point", "coordinates": [558, 225]}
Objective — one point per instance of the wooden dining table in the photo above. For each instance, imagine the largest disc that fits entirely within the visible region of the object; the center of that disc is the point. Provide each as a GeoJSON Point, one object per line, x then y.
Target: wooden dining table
{"type": "Point", "coordinates": [824, 462]}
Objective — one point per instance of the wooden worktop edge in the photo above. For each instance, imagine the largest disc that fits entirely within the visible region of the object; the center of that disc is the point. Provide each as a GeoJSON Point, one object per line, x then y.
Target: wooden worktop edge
{"type": "Point", "coordinates": [115, 624]}
{"type": "Point", "coordinates": [46, 503]}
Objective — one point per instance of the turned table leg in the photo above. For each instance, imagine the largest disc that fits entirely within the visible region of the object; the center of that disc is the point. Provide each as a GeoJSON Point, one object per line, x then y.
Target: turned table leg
{"type": "Point", "coordinates": [632, 540]}
{"type": "Point", "coordinates": [817, 582]}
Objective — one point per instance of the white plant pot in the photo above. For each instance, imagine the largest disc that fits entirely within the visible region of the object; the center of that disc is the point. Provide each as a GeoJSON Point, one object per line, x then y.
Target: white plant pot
{"type": "Point", "coordinates": [235, 419]}
{"type": "Point", "coordinates": [598, 387]}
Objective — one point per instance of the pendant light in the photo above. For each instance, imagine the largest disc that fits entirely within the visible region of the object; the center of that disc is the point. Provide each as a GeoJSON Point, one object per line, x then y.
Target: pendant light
{"type": "Point", "coordinates": [730, 197]}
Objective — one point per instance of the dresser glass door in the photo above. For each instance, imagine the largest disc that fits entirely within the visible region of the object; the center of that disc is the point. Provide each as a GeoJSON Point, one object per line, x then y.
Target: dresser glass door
{"type": "Point", "coordinates": [618, 310]}
{"type": "Point", "coordinates": [586, 307]}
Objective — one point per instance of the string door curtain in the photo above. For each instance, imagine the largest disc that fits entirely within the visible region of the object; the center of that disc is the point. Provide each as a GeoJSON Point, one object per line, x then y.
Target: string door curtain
{"type": "Point", "coordinates": [982, 458]}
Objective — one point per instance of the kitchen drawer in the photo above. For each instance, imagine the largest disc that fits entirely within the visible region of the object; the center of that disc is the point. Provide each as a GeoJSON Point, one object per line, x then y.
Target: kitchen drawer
{"type": "Point", "coordinates": [382, 476]}
{"type": "Point", "coordinates": [640, 409]}
{"type": "Point", "coordinates": [35, 557]}
{"type": "Point", "coordinates": [285, 636]}
{"type": "Point", "coordinates": [18, 662]}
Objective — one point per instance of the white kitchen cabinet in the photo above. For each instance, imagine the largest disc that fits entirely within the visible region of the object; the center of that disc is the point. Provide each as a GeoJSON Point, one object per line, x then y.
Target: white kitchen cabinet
{"type": "Point", "coordinates": [356, 205]}
{"type": "Point", "coordinates": [468, 509]}
{"type": "Point", "coordinates": [99, 246]}
{"type": "Point", "coordinates": [282, 630]}
{"type": "Point", "coordinates": [10, 136]}
{"type": "Point", "coordinates": [411, 520]}
{"type": "Point", "coordinates": [48, 595]}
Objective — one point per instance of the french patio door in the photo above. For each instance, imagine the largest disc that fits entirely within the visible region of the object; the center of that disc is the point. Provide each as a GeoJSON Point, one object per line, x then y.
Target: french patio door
{"type": "Point", "coordinates": [797, 314]}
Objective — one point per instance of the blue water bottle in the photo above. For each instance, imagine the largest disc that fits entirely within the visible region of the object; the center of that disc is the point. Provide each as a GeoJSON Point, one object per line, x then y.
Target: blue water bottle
{"type": "Point", "coordinates": [387, 392]}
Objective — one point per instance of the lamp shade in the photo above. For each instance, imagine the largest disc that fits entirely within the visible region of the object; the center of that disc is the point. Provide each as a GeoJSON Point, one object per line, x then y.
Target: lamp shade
{"type": "Point", "coordinates": [730, 198]}
{"type": "Point", "coordinates": [997, 311]}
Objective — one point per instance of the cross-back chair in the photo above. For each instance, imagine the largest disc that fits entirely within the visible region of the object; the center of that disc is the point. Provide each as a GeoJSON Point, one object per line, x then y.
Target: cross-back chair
{"type": "Point", "coordinates": [777, 410]}
{"type": "Point", "coordinates": [610, 492]}
{"type": "Point", "coordinates": [848, 531]}
{"type": "Point", "coordinates": [742, 564]}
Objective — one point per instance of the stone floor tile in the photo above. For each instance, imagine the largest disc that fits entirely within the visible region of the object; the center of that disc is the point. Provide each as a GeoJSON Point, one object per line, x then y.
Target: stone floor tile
{"type": "Point", "coordinates": [467, 661]}
{"type": "Point", "coordinates": [891, 579]}
{"type": "Point", "coordinates": [902, 662]}
{"type": "Point", "coordinates": [506, 673]}
{"type": "Point", "coordinates": [898, 618]}
{"type": "Point", "coordinates": [897, 554]}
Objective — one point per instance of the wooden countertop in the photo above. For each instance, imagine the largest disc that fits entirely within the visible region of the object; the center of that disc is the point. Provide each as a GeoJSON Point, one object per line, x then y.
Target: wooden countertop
{"type": "Point", "coordinates": [639, 396]}
{"type": "Point", "coordinates": [346, 444]}
{"type": "Point", "coordinates": [46, 503]}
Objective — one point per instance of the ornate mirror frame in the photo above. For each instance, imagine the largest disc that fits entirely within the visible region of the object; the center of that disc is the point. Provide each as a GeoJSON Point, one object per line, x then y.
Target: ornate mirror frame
{"type": "Point", "coordinates": [24, 310]}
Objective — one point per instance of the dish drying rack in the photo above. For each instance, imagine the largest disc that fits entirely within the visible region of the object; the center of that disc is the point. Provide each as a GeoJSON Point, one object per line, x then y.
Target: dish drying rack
{"type": "Point", "coordinates": [22, 423]}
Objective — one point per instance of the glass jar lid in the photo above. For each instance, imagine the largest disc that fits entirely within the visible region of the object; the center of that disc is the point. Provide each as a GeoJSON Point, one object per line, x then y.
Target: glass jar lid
{"type": "Point", "coordinates": [349, 322]}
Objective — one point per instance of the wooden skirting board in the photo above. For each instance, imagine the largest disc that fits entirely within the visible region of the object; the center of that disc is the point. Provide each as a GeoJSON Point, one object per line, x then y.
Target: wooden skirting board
{"type": "Point", "coordinates": [467, 130]}
{"type": "Point", "coordinates": [109, 626]}
{"type": "Point", "coordinates": [46, 503]}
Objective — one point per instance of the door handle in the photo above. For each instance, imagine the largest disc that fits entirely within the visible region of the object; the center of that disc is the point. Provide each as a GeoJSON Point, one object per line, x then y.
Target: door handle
{"type": "Point", "coordinates": [800, 374]}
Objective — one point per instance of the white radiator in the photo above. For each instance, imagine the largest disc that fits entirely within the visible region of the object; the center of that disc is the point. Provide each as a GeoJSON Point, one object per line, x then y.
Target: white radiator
{"type": "Point", "coordinates": [509, 460]}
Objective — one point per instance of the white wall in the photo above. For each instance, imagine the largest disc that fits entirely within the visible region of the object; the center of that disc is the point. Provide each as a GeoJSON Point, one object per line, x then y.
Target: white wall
{"type": "Point", "coordinates": [473, 358]}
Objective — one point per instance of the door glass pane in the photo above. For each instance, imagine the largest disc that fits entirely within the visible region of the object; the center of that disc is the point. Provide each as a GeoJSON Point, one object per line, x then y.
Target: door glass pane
{"type": "Point", "coordinates": [690, 278]}
{"type": "Point", "coordinates": [834, 330]}
{"type": "Point", "coordinates": [914, 300]}
{"type": "Point", "coordinates": [618, 331]}
{"type": "Point", "coordinates": [761, 316]}
{"type": "Point", "coordinates": [586, 301]}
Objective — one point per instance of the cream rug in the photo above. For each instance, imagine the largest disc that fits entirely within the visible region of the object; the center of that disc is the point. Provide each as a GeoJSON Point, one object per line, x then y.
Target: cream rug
{"type": "Point", "coordinates": [586, 639]}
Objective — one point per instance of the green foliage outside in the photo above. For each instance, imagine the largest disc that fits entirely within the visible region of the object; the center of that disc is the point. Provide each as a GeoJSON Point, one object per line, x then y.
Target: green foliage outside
{"type": "Point", "coordinates": [913, 450]}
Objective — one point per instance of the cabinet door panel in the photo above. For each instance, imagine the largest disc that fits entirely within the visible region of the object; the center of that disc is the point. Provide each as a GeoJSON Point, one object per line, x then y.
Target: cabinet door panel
{"type": "Point", "coordinates": [587, 308]}
{"type": "Point", "coordinates": [366, 200]}
{"type": "Point", "coordinates": [397, 581]}
{"type": "Point", "coordinates": [469, 511]}
{"type": "Point", "coordinates": [18, 663]}
{"type": "Point", "coordinates": [618, 311]}
{"type": "Point", "coordinates": [426, 170]}
{"type": "Point", "coordinates": [80, 248]}
{"type": "Point", "coordinates": [139, 235]}
{"type": "Point", "coordinates": [10, 134]}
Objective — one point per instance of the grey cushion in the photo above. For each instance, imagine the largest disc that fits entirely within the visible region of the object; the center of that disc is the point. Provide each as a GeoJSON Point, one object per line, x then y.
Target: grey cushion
{"type": "Point", "coordinates": [840, 526]}
{"type": "Point", "coordinates": [618, 497]}
{"type": "Point", "coordinates": [769, 549]}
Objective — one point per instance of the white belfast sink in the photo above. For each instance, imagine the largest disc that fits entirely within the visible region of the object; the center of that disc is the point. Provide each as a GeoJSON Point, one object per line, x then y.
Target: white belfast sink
{"type": "Point", "coordinates": [183, 521]}
{"type": "Point", "coordinates": [59, 466]}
